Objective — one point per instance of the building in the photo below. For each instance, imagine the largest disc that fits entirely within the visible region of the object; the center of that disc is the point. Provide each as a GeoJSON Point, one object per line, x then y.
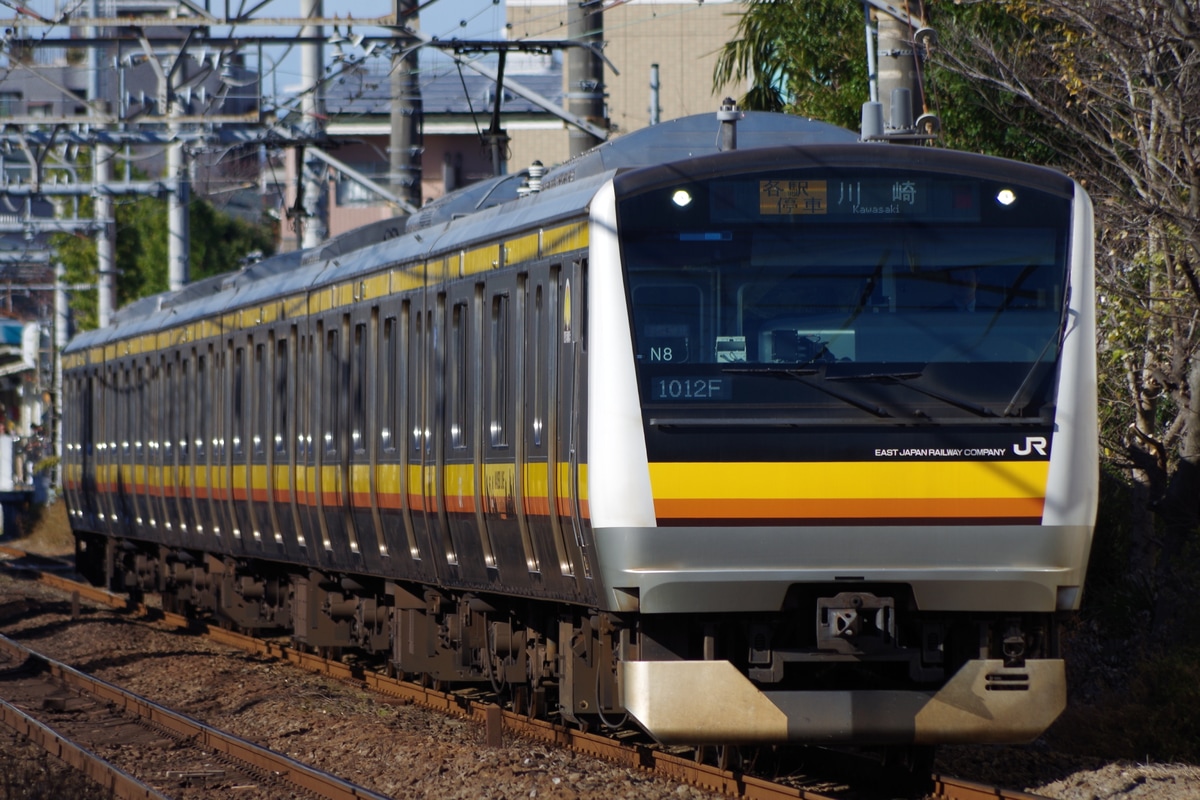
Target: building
{"type": "Point", "coordinates": [681, 38]}
{"type": "Point", "coordinates": [457, 110]}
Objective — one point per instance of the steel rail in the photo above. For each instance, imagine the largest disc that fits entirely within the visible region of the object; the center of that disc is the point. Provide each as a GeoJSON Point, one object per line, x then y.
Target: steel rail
{"type": "Point", "coordinates": [955, 789]}
{"type": "Point", "coordinates": [279, 766]}
{"type": "Point", "coordinates": [464, 704]}
{"type": "Point", "coordinates": [112, 778]}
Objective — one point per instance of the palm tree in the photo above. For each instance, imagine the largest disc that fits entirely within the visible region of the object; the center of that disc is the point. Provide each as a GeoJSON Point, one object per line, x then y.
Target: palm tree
{"type": "Point", "coordinates": [806, 58]}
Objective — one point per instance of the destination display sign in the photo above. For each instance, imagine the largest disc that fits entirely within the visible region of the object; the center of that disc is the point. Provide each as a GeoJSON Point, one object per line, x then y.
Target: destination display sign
{"type": "Point", "coordinates": [888, 197]}
{"type": "Point", "coordinates": [845, 199]}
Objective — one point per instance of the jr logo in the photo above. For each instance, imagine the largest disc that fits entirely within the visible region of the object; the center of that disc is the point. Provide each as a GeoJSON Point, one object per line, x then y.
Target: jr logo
{"type": "Point", "coordinates": [1032, 443]}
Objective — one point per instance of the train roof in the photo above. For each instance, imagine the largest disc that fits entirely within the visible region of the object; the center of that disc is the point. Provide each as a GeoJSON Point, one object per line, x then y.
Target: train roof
{"type": "Point", "coordinates": [458, 219]}
{"type": "Point", "coordinates": [677, 140]}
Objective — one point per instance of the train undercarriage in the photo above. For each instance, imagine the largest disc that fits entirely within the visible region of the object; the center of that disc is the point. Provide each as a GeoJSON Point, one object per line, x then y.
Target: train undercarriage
{"type": "Point", "coordinates": [594, 669]}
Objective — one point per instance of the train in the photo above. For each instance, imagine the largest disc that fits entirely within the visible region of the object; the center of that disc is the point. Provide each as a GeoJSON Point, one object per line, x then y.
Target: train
{"type": "Point", "coordinates": [776, 438]}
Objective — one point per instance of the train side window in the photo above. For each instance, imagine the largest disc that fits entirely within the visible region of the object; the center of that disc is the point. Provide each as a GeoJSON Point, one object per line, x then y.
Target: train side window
{"type": "Point", "coordinates": [498, 379]}
{"type": "Point", "coordinates": [137, 430]}
{"type": "Point", "coordinates": [261, 400]}
{"type": "Point", "coordinates": [388, 368]}
{"type": "Point", "coordinates": [416, 358]}
{"type": "Point", "coordinates": [457, 389]}
{"type": "Point", "coordinates": [202, 407]}
{"type": "Point", "coordinates": [238, 396]}
{"type": "Point", "coordinates": [303, 398]}
{"type": "Point", "coordinates": [537, 340]}
{"type": "Point", "coordinates": [169, 420]}
{"type": "Point", "coordinates": [401, 410]}
{"type": "Point", "coordinates": [281, 398]}
{"type": "Point", "coordinates": [125, 412]}
{"type": "Point", "coordinates": [187, 405]}
{"type": "Point", "coordinates": [358, 392]}
{"type": "Point", "coordinates": [333, 380]}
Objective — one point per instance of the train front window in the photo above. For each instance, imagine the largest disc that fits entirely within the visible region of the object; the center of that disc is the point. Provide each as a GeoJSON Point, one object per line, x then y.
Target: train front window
{"type": "Point", "coordinates": [860, 304]}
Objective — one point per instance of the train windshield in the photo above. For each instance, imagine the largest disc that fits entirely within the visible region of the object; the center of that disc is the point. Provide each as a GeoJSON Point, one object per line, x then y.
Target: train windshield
{"type": "Point", "coordinates": [875, 293]}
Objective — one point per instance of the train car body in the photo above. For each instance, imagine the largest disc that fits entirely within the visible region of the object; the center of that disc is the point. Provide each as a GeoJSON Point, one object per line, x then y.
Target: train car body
{"type": "Point", "coordinates": [791, 443]}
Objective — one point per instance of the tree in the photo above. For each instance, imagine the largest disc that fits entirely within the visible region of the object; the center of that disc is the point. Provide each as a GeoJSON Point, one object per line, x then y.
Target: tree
{"type": "Point", "coordinates": [804, 58]}
{"type": "Point", "coordinates": [1114, 84]}
{"type": "Point", "coordinates": [218, 242]}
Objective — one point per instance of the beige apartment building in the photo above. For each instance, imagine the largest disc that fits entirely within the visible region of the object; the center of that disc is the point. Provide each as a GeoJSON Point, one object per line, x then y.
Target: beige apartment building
{"type": "Point", "coordinates": [681, 37]}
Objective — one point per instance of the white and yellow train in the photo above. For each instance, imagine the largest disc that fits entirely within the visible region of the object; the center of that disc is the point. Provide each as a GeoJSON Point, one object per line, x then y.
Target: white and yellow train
{"type": "Point", "coordinates": [790, 443]}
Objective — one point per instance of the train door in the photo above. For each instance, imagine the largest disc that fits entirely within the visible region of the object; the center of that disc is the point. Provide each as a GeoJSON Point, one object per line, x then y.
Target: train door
{"type": "Point", "coordinates": [112, 460]}
{"type": "Point", "coordinates": [424, 387]}
{"type": "Point", "coordinates": [362, 439]}
{"type": "Point", "coordinates": [258, 408]}
{"type": "Point", "coordinates": [206, 440]}
{"type": "Point", "coordinates": [307, 396]}
{"type": "Point", "coordinates": [84, 433]}
{"type": "Point", "coordinates": [130, 420]}
{"type": "Point", "coordinates": [74, 390]}
{"type": "Point", "coordinates": [98, 452]}
{"type": "Point", "coordinates": [503, 375]}
{"type": "Point", "coordinates": [237, 448]}
{"type": "Point", "coordinates": [537, 480]}
{"type": "Point", "coordinates": [460, 496]}
{"type": "Point", "coordinates": [167, 425]}
{"type": "Point", "coordinates": [281, 447]}
{"type": "Point", "coordinates": [185, 411]}
{"type": "Point", "coordinates": [68, 434]}
{"type": "Point", "coordinates": [224, 523]}
{"type": "Point", "coordinates": [150, 480]}
{"type": "Point", "coordinates": [333, 472]}
{"type": "Point", "coordinates": [137, 447]}
{"type": "Point", "coordinates": [197, 432]}
{"type": "Point", "coordinates": [550, 410]}
{"type": "Point", "coordinates": [571, 422]}
{"type": "Point", "coordinates": [435, 426]}
{"type": "Point", "coordinates": [387, 485]}
{"type": "Point", "coordinates": [123, 472]}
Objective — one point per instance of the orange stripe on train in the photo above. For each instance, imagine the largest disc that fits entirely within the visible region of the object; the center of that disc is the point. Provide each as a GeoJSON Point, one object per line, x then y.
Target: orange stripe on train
{"type": "Point", "coordinates": [859, 508]}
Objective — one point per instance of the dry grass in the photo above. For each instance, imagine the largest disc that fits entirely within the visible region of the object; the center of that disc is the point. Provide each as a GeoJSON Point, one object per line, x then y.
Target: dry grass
{"type": "Point", "coordinates": [44, 530]}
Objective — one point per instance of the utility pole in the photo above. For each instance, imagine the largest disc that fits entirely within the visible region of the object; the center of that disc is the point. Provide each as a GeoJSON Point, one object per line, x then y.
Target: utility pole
{"type": "Point", "coordinates": [585, 72]}
{"type": "Point", "coordinates": [404, 156]}
{"type": "Point", "coordinates": [102, 156]}
{"type": "Point", "coordinates": [62, 315]}
{"type": "Point", "coordinates": [899, 88]}
{"type": "Point", "coordinates": [314, 200]}
{"type": "Point", "coordinates": [655, 108]}
{"type": "Point", "coordinates": [178, 230]}
{"type": "Point", "coordinates": [895, 110]}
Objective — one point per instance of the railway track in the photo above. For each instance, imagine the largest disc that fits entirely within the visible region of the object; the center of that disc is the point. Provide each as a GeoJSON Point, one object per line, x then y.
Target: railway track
{"type": "Point", "coordinates": [500, 723]}
{"type": "Point", "coordinates": [91, 723]}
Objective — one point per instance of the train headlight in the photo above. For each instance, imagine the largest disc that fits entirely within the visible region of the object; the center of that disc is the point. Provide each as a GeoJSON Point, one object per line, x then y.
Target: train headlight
{"type": "Point", "coordinates": [682, 198]}
{"type": "Point", "coordinates": [1006, 197]}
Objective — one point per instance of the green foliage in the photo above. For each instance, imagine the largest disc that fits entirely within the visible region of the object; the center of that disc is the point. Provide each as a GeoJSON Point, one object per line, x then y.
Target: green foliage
{"type": "Point", "coordinates": [218, 242]}
{"type": "Point", "coordinates": [810, 59]}
{"type": "Point", "coordinates": [803, 58]}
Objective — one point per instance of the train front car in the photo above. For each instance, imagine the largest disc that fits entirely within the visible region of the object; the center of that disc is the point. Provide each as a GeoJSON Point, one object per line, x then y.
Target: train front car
{"type": "Point", "coordinates": [842, 442]}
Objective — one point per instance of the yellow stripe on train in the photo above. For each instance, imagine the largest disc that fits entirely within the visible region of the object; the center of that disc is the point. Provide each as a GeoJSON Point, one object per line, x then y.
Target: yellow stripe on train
{"type": "Point", "coordinates": [855, 490]}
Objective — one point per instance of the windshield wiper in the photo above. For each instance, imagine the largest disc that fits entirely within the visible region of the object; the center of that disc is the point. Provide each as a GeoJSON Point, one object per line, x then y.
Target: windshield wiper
{"type": "Point", "coordinates": [802, 374]}
{"type": "Point", "coordinates": [1057, 336]}
{"type": "Point", "coordinates": [901, 378]}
